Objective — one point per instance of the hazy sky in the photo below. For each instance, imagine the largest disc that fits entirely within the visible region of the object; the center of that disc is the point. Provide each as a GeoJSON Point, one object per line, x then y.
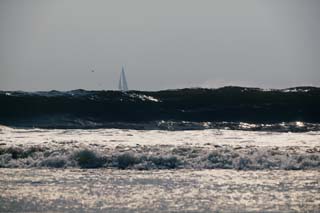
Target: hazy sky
{"type": "Point", "coordinates": [54, 44]}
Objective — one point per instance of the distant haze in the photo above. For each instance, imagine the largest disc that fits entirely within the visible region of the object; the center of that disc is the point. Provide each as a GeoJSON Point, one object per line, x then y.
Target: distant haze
{"type": "Point", "coordinates": [55, 44]}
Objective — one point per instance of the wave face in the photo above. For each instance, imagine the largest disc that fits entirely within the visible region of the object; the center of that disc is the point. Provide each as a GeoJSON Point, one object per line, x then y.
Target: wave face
{"type": "Point", "coordinates": [227, 107]}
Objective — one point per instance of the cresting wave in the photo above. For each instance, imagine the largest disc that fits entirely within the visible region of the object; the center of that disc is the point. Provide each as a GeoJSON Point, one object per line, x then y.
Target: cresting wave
{"type": "Point", "coordinates": [162, 157]}
{"type": "Point", "coordinates": [294, 109]}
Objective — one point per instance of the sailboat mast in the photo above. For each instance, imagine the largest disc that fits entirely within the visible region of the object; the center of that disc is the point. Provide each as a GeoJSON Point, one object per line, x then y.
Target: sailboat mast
{"type": "Point", "coordinates": [123, 86]}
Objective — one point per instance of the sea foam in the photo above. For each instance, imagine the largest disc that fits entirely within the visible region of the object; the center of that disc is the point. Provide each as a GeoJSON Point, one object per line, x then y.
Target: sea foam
{"type": "Point", "coordinates": [163, 157]}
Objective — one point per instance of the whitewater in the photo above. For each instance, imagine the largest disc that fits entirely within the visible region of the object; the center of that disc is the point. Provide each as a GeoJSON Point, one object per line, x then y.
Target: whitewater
{"type": "Point", "coordinates": [156, 149]}
{"type": "Point", "coordinates": [124, 170]}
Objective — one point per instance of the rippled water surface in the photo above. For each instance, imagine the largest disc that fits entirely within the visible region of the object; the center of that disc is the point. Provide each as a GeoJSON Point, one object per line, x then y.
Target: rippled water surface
{"type": "Point", "coordinates": [158, 190]}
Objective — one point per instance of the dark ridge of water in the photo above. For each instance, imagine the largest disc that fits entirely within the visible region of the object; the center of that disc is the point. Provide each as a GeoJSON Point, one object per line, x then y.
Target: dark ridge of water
{"type": "Point", "coordinates": [184, 108]}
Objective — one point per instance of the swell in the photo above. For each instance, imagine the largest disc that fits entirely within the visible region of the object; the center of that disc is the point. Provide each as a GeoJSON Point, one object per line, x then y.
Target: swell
{"type": "Point", "coordinates": [94, 109]}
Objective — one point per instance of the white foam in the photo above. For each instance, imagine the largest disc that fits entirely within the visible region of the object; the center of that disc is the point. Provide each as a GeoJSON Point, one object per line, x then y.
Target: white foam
{"type": "Point", "coordinates": [145, 97]}
{"type": "Point", "coordinates": [114, 137]}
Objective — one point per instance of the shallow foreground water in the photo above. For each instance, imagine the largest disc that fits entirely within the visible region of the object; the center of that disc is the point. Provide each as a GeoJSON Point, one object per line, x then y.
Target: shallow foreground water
{"type": "Point", "coordinates": [112, 190]}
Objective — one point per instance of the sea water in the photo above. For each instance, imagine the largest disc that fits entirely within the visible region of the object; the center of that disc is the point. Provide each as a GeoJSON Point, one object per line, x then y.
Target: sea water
{"type": "Point", "coordinates": [197, 150]}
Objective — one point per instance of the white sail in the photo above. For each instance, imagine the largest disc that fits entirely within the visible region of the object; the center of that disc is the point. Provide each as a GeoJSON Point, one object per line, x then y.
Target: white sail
{"type": "Point", "coordinates": [123, 86]}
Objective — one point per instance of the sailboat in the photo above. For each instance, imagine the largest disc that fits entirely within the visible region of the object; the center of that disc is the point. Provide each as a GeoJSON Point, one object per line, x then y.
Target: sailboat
{"type": "Point", "coordinates": [123, 86]}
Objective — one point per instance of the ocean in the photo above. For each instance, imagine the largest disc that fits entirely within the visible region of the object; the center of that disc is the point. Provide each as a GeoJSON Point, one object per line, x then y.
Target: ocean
{"type": "Point", "coordinates": [188, 150]}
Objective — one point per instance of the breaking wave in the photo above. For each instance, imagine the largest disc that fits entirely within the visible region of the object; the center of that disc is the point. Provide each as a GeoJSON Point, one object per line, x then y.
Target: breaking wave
{"type": "Point", "coordinates": [163, 157]}
{"type": "Point", "coordinates": [227, 107]}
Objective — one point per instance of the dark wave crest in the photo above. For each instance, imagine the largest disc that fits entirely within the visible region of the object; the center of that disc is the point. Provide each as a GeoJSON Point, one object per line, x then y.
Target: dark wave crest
{"type": "Point", "coordinates": [183, 108]}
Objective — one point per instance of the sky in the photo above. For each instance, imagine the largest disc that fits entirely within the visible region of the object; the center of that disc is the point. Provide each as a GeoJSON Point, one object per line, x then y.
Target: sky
{"type": "Point", "coordinates": [164, 44]}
